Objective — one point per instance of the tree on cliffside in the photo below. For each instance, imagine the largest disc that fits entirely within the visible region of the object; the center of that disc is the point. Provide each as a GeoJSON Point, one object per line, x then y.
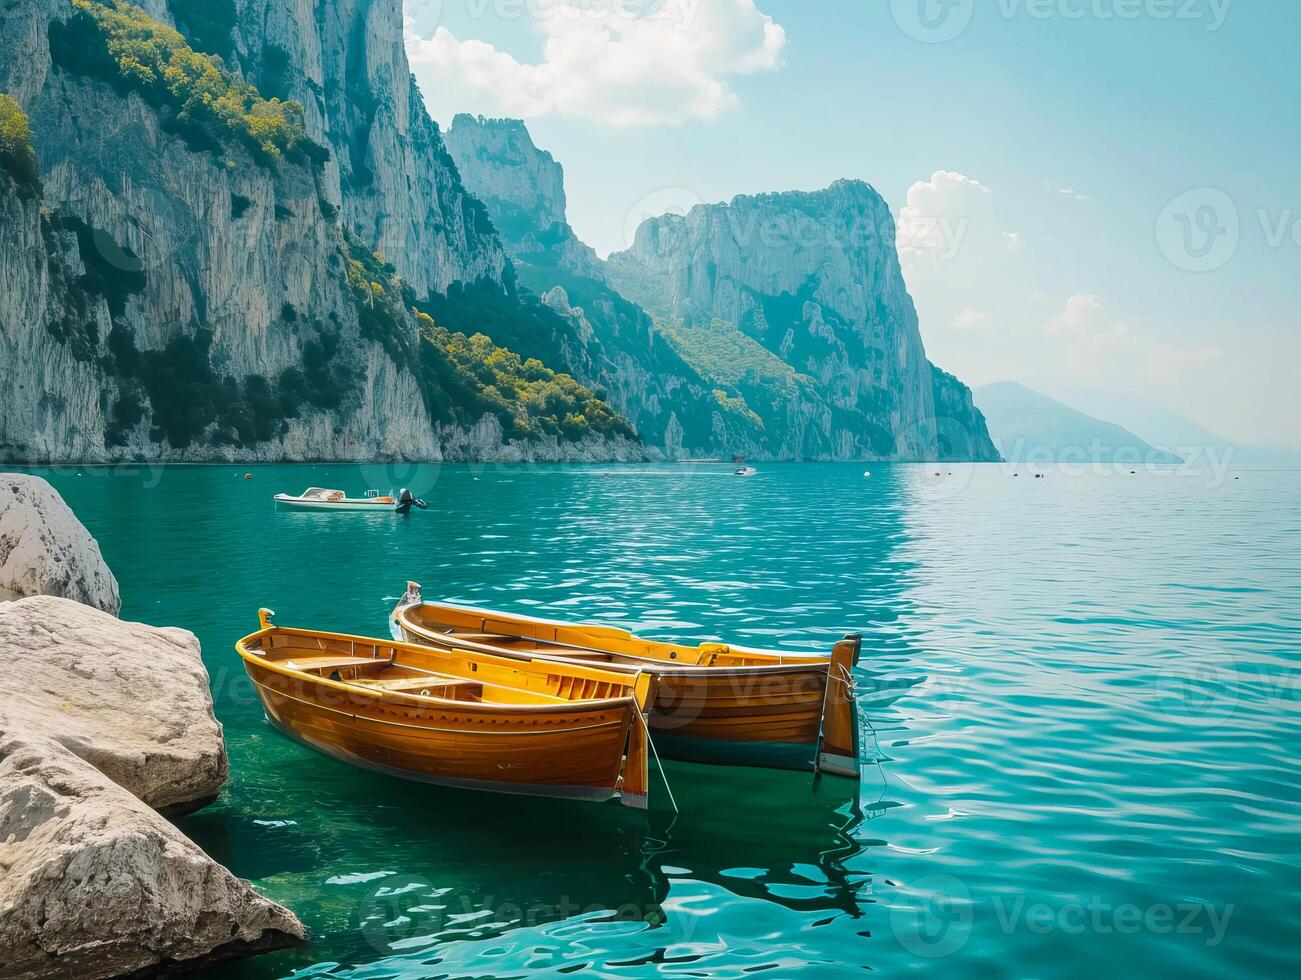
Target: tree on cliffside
{"type": "Point", "coordinates": [16, 154]}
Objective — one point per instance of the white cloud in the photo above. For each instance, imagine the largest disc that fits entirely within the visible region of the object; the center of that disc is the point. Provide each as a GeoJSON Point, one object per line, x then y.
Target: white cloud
{"type": "Point", "coordinates": [939, 214]}
{"type": "Point", "coordinates": [1086, 319]}
{"type": "Point", "coordinates": [971, 319]}
{"type": "Point", "coordinates": [614, 62]}
{"type": "Point", "coordinates": [1086, 340]}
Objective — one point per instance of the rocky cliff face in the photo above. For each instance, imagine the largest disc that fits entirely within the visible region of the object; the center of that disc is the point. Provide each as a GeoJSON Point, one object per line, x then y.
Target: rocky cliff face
{"type": "Point", "coordinates": [524, 190]}
{"type": "Point", "coordinates": [172, 291]}
{"type": "Point", "coordinates": [234, 278]}
{"type": "Point", "coordinates": [390, 172]}
{"type": "Point", "coordinates": [814, 280]}
{"type": "Point", "coordinates": [777, 326]}
{"type": "Point", "coordinates": [601, 337]}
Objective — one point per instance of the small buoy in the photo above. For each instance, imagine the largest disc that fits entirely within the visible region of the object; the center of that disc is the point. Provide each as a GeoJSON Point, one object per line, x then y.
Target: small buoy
{"type": "Point", "coordinates": [937, 473]}
{"type": "Point", "coordinates": [866, 474]}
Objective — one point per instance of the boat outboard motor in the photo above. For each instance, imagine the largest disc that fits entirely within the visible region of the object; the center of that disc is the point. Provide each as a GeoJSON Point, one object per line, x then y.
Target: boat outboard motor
{"type": "Point", "coordinates": [406, 502]}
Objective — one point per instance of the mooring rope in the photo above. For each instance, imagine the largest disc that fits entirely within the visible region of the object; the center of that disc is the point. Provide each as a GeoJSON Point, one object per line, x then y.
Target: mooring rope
{"type": "Point", "coordinates": [656, 752]}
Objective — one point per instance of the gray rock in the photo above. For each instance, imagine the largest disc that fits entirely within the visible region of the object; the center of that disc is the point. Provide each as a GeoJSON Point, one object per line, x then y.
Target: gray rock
{"type": "Point", "coordinates": [93, 883]}
{"type": "Point", "coordinates": [130, 699]}
{"type": "Point", "coordinates": [45, 550]}
{"type": "Point", "coordinates": [103, 724]}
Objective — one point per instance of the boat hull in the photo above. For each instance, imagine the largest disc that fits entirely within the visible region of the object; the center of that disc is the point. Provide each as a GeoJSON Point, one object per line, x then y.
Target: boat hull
{"type": "Point", "coordinates": [777, 712]}
{"type": "Point", "coordinates": [794, 715]}
{"type": "Point", "coordinates": [297, 503]}
{"type": "Point", "coordinates": [572, 753]}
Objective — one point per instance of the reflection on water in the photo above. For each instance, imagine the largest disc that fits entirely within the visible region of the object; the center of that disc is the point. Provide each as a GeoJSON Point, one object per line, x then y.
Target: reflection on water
{"type": "Point", "coordinates": [1078, 693]}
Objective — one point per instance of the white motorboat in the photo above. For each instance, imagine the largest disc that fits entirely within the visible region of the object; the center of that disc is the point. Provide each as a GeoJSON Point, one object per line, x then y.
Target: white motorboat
{"type": "Point", "coordinates": [323, 498]}
{"type": "Point", "coordinates": [746, 471]}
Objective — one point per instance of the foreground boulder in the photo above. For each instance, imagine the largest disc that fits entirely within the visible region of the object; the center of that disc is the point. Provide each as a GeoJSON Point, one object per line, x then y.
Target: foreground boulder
{"type": "Point", "coordinates": [93, 883]}
{"type": "Point", "coordinates": [45, 550]}
{"type": "Point", "coordinates": [102, 723]}
{"type": "Point", "coordinates": [132, 700]}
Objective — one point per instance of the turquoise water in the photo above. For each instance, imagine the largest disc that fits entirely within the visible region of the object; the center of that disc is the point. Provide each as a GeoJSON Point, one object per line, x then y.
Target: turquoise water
{"type": "Point", "coordinates": [1082, 692]}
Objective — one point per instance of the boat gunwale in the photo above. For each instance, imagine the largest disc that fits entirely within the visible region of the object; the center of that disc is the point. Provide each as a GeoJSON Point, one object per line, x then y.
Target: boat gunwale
{"type": "Point", "coordinates": [476, 732]}
{"type": "Point", "coordinates": [418, 700]}
{"type": "Point", "coordinates": [819, 663]}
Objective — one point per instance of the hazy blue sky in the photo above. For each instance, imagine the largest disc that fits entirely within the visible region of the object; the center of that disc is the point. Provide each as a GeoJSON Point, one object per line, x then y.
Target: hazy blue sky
{"type": "Point", "coordinates": [1095, 195]}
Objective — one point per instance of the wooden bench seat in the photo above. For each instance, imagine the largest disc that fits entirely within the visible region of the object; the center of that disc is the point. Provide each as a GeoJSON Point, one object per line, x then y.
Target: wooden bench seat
{"type": "Point", "coordinates": [331, 663]}
{"type": "Point", "coordinates": [438, 687]}
{"type": "Point", "coordinates": [570, 653]}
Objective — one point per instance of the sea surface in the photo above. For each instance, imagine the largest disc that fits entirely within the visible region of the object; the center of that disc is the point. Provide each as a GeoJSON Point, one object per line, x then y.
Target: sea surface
{"type": "Point", "coordinates": [1079, 696]}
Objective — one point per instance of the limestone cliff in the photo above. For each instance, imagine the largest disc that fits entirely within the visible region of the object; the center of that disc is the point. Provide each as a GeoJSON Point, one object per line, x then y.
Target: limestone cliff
{"type": "Point", "coordinates": [814, 280]}
{"type": "Point", "coordinates": [599, 336]}
{"type": "Point", "coordinates": [776, 326]}
{"type": "Point", "coordinates": [188, 284]}
{"type": "Point", "coordinates": [524, 190]}
{"type": "Point", "coordinates": [390, 172]}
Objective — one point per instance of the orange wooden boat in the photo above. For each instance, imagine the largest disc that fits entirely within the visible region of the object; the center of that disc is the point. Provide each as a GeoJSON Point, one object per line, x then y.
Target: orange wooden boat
{"type": "Point", "coordinates": [713, 702]}
{"type": "Point", "coordinates": [462, 718]}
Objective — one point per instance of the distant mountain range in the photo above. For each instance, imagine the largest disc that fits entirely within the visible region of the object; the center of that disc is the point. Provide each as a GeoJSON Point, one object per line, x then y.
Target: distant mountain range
{"type": "Point", "coordinates": [1169, 430]}
{"type": "Point", "coordinates": [1028, 426]}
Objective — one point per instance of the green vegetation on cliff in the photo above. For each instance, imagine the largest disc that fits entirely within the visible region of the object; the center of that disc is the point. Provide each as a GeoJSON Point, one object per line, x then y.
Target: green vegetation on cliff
{"type": "Point", "coordinates": [722, 353]}
{"type": "Point", "coordinates": [515, 318]}
{"type": "Point", "coordinates": [17, 157]}
{"type": "Point", "coordinates": [466, 375]}
{"type": "Point", "coordinates": [121, 44]}
{"type": "Point", "coordinates": [187, 401]}
{"type": "Point", "coordinates": [528, 398]}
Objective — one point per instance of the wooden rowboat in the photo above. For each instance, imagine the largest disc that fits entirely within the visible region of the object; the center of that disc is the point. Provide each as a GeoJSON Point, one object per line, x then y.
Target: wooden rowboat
{"type": "Point", "coordinates": [456, 717]}
{"type": "Point", "coordinates": [710, 703]}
